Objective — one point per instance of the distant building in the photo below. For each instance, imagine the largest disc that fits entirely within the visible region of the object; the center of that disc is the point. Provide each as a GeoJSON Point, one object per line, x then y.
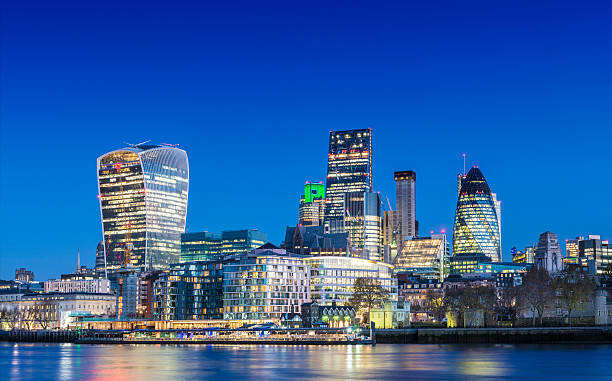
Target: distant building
{"type": "Point", "coordinates": [68, 285]}
{"type": "Point", "coordinates": [200, 246]}
{"type": "Point", "coordinates": [312, 240]}
{"type": "Point", "coordinates": [312, 205]}
{"type": "Point", "coordinates": [349, 170]}
{"type": "Point", "coordinates": [548, 253]}
{"type": "Point", "coordinates": [24, 275]}
{"type": "Point", "coordinates": [334, 316]}
{"type": "Point", "coordinates": [100, 267]}
{"type": "Point", "coordinates": [424, 256]}
{"type": "Point", "coordinates": [391, 235]}
{"type": "Point", "coordinates": [405, 199]}
{"type": "Point", "coordinates": [364, 224]}
{"type": "Point", "coordinates": [332, 278]}
{"type": "Point", "coordinates": [143, 201]}
{"type": "Point", "coordinates": [264, 284]}
{"type": "Point", "coordinates": [241, 241]}
{"type": "Point", "coordinates": [596, 251]}
{"type": "Point", "coordinates": [127, 293]}
{"type": "Point", "coordinates": [526, 256]}
{"type": "Point", "coordinates": [413, 289]}
{"type": "Point", "coordinates": [476, 229]}
{"type": "Point", "coordinates": [465, 264]}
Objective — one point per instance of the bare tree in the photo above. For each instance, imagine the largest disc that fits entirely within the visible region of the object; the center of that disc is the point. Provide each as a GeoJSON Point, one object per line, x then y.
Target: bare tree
{"type": "Point", "coordinates": [368, 294]}
{"type": "Point", "coordinates": [434, 304]}
{"type": "Point", "coordinates": [586, 287]}
{"type": "Point", "coordinates": [537, 292]}
{"type": "Point", "coordinates": [9, 316]}
{"type": "Point", "coordinates": [509, 302]}
{"type": "Point", "coordinates": [27, 317]}
{"type": "Point", "coordinates": [569, 291]}
{"type": "Point", "coordinates": [43, 311]}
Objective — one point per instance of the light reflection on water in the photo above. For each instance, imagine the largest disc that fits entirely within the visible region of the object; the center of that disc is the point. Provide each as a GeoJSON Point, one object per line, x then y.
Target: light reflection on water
{"type": "Point", "coordinates": [257, 362]}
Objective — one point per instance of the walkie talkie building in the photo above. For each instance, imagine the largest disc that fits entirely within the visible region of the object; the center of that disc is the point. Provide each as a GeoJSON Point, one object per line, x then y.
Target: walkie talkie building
{"type": "Point", "coordinates": [143, 193]}
{"type": "Point", "coordinates": [476, 230]}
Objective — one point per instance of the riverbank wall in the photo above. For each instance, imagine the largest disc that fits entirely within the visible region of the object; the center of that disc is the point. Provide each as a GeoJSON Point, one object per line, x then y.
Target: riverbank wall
{"type": "Point", "coordinates": [495, 335]}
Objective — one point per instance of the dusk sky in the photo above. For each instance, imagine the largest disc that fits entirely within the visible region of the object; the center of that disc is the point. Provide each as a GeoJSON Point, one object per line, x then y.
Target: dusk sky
{"type": "Point", "coordinates": [251, 91]}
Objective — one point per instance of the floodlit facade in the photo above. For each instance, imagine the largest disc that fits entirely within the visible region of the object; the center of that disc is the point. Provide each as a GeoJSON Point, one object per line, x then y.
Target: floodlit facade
{"type": "Point", "coordinates": [97, 286]}
{"type": "Point", "coordinates": [143, 193]}
{"type": "Point", "coordinates": [200, 246]}
{"type": "Point", "coordinates": [548, 253]}
{"type": "Point", "coordinates": [332, 278]}
{"type": "Point", "coordinates": [427, 257]}
{"type": "Point", "coordinates": [349, 169]}
{"type": "Point", "coordinates": [476, 229]}
{"type": "Point", "coordinates": [312, 205]}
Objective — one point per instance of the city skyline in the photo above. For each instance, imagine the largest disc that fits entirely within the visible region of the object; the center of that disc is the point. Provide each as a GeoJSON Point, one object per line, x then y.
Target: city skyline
{"type": "Point", "coordinates": [259, 115]}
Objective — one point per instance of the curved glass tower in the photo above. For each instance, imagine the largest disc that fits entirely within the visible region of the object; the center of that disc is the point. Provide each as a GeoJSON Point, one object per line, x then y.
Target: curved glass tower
{"type": "Point", "coordinates": [143, 202]}
{"type": "Point", "coordinates": [476, 230]}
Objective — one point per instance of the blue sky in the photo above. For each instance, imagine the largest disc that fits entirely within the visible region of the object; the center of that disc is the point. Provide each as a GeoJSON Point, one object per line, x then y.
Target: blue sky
{"type": "Point", "coordinates": [251, 94]}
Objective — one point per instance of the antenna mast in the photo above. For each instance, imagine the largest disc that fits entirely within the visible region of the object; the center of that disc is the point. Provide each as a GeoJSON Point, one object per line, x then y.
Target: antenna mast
{"type": "Point", "coordinates": [463, 164]}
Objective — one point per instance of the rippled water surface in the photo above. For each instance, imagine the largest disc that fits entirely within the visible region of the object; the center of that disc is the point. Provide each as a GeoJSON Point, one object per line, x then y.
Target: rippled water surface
{"type": "Point", "coordinates": [255, 362]}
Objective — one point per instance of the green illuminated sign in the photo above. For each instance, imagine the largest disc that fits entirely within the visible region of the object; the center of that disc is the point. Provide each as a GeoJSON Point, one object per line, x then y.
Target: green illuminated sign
{"type": "Point", "coordinates": [313, 191]}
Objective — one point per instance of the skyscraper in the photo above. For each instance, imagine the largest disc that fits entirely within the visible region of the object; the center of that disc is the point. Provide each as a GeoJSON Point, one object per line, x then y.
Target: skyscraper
{"type": "Point", "coordinates": [349, 170]}
{"type": "Point", "coordinates": [312, 204]}
{"type": "Point", "coordinates": [548, 253]}
{"type": "Point", "coordinates": [363, 222]}
{"type": "Point", "coordinates": [406, 203]}
{"type": "Point", "coordinates": [143, 202]}
{"type": "Point", "coordinates": [476, 228]}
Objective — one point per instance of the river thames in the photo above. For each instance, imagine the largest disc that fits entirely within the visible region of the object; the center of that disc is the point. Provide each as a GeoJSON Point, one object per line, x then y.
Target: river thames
{"type": "Point", "coordinates": [25, 361]}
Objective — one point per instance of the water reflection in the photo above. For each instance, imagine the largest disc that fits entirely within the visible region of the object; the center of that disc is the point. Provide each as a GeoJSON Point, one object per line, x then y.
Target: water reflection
{"type": "Point", "coordinates": [260, 362]}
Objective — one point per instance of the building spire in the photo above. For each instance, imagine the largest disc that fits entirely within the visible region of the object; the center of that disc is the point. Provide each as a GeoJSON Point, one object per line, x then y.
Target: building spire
{"type": "Point", "coordinates": [463, 164]}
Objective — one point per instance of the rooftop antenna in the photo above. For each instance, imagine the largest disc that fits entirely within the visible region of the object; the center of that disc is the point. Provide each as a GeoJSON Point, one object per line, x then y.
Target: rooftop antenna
{"type": "Point", "coordinates": [463, 164]}
{"type": "Point", "coordinates": [78, 260]}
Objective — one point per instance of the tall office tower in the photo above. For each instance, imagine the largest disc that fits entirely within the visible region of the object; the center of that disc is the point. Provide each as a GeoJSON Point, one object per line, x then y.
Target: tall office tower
{"type": "Point", "coordinates": [100, 267]}
{"type": "Point", "coordinates": [497, 204]}
{"type": "Point", "coordinates": [405, 202]}
{"type": "Point", "coordinates": [548, 253]}
{"type": "Point", "coordinates": [427, 257]}
{"type": "Point", "coordinates": [200, 246]}
{"type": "Point", "coordinates": [241, 241]}
{"type": "Point", "coordinates": [391, 235]}
{"type": "Point", "coordinates": [143, 201]}
{"type": "Point", "coordinates": [476, 230]}
{"type": "Point", "coordinates": [364, 223]}
{"type": "Point", "coordinates": [349, 169]}
{"type": "Point", "coordinates": [312, 204]}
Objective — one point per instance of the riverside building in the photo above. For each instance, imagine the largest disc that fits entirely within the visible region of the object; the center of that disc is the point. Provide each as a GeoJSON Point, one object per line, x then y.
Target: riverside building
{"type": "Point", "coordinates": [200, 246]}
{"type": "Point", "coordinates": [143, 202]}
{"type": "Point", "coordinates": [427, 257]}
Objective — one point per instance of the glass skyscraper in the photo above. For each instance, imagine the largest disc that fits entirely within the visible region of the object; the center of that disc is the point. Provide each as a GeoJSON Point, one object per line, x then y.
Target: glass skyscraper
{"type": "Point", "coordinates": [312, 205]}
{"type": "Point", "coordinates": [476, 229]}
{"type": "Point", "coordinates": [143, 202]}
{"type": "Point", "coordinates": [349, 170]}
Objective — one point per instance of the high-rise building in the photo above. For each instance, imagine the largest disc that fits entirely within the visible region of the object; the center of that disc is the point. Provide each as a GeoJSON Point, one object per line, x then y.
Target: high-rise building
{"type": "Point", "coordinates": [200, 246]}
{"type": "Point", "coordinates": [100, 267]}
{"type": "Point", "coordinates": [596, 251]}
{"type": "Point", "coordinates": [349, 170]}
{"type": "Point", "coordinates": [364, 223]}
{"type": "Point", "coordinates": [241, 241]}
{"type": "Point", "coordinates": [572, 248]}
{"type": "Point", "coordinates": [526, 256]}
{"type": "Point", "coordinates": [143, 201]}
{"type": "Point", "coordinates": [548, 253]}
{"type": "Point", "coordinates": [427, 257]}
{"type": "Point", "coordinates": [312, 205]}
{"type": "Point", "coordinates": [476, 228]}
{"type": "Point", "coordinates": [391, 235]}
{"type": "Point", "coordinates": [497, 204]}
{"type": "Point", "coordinates": [405, 202]}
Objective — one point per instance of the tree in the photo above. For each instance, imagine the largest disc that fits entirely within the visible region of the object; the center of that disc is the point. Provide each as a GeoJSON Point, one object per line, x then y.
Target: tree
{"type": "Point", "coordinates": [368, 294]}
{"type": "Point", "coordinates": [537, 292]}
{"type": "Point", "coordinates": [42, 314]}
{"type": "Point", "coordinates": [434, 304]}
{"type": "Point", "coordinates": [509, 302]}
{"type": "Point", "coordinates": [586, 287]}
{"type": "Point", "coordinates": [568, 291]}
{"type": "Point", "coordinates": [10, 316]}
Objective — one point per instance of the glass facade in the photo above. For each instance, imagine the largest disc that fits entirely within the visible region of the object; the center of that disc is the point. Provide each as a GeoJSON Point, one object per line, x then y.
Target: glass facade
{"type": "Point", "coordinates": [332, 278]}
{"type": "Point", "coordinates": [363, 222]}
{"type": "Point", "coordinates": [349, 169]}
{"type": "Point", "coordinates": [425, 256]}
{"type": "Point", "coordinates": [200, 246]}
{"type": "Point", "coordinates": [597, 251]}
{"type": "Point", "coordinates": [405, 182]}
{"type": "Point", "coordinates": [241, 241]}
{"type": "Point", "coordinates": [312, 205]}
{"type": "Point", "coordinates": [476, 229]}
{"type": "Point", "coordinates": [143, 201]}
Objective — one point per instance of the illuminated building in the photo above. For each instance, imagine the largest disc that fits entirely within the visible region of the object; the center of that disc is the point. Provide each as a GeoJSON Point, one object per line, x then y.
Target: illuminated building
{"type": "Point", "coordinates": [391, 235]}
{"type": "Point", "coordinates": [497, 204]}
{"type": "Point", "coordinates": [67, 285]}
{"type": "Point", "coordinates": [21, 274]}
{"type": "Point", "coordinates": [349, 169]}
{"type": "Point", "coordinates": [190, 291]}
{"type": "Point", "coordinates": [572, 252]}
{"type": "Point", "coordinates": [364, 224]}
{"type": "Point", "coordinates": [464, 264]}
{"type": "Point", "coordinates": [264, 284]}
{"type": "Point", "coordinates": [526, 256]}
{"type": "Point", "coordinates": [143, 201]}
{"type": "Point", "coordinates": [200, 246]}
{"type": "Point", "coordinates": [427, 257]}
{"type": "Point", "coordinates": [127, 293]}
{"type": "Point", "coordinates": [312, 205]}
{"type": "Point", "coordinates": [312, 240]}
{"type": "Point", "coordinates": [332, 278]}
{"type": "Point", "coordinates": [413, 289]}
{"type": "Point", "coordinates": [100, 267]}
{"type": "Point", "coordinates": [405, 200]}
{"type": "Point", "coordinates": [548, 253]}
{"type": "Point", "coordinates": [597, 251]}
{"type": "Point", "coordinates": [241, 241]}
{"type": "Point", "coordinates": [476, 228]}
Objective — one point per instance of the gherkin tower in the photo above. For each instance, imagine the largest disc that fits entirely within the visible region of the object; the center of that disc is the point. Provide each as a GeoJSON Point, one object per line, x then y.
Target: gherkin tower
{"type": "Point", "coordinates": [476, 229]}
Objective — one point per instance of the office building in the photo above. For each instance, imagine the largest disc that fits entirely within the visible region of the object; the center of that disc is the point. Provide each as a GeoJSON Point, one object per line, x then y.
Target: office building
{"type": "Point", "coordinates": [312, 205]}
{"type": "Point", "coordinates": [332, 278]}
{"type": "Point", "coordinates": [572, 252]}
{"type": "Point", "coordinates": [476, 228]}
{"type": "Point", "coordinates": [265, 284]}
{"type": "Point", "coordinates": [427, 257]}
{"type": "Point", "coordinates": [596, 251]}
{"type": "Point", "coordinates": [364, 224]}
{"type": "Point", "coordinates": [143, 202]}
{"type": "Point", "coordinates": [241, 241]}
{"type": "Point", "coordinates": [548, 253]}
{"type": "Point", "coordinates": [523, 256]}
{"type": "Point", "coordinates": [312, 240]}
{"type": "Point", "coordinates": [190, 291]}
{"type": "Point", "coordinates": [349, 170]}
{"type": "Point", "coordinates": [391, 235]}
{"type": "Point", "coordinates": [406, 203]}
{"type": "Point", "coordinates": [23, 275]}
{"type": "Point", "coordinates": [200, 246]}
{"type": "Point", "coordinates": [69, 285]}
{"type": "Point", "coordinates": [100, 266]}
